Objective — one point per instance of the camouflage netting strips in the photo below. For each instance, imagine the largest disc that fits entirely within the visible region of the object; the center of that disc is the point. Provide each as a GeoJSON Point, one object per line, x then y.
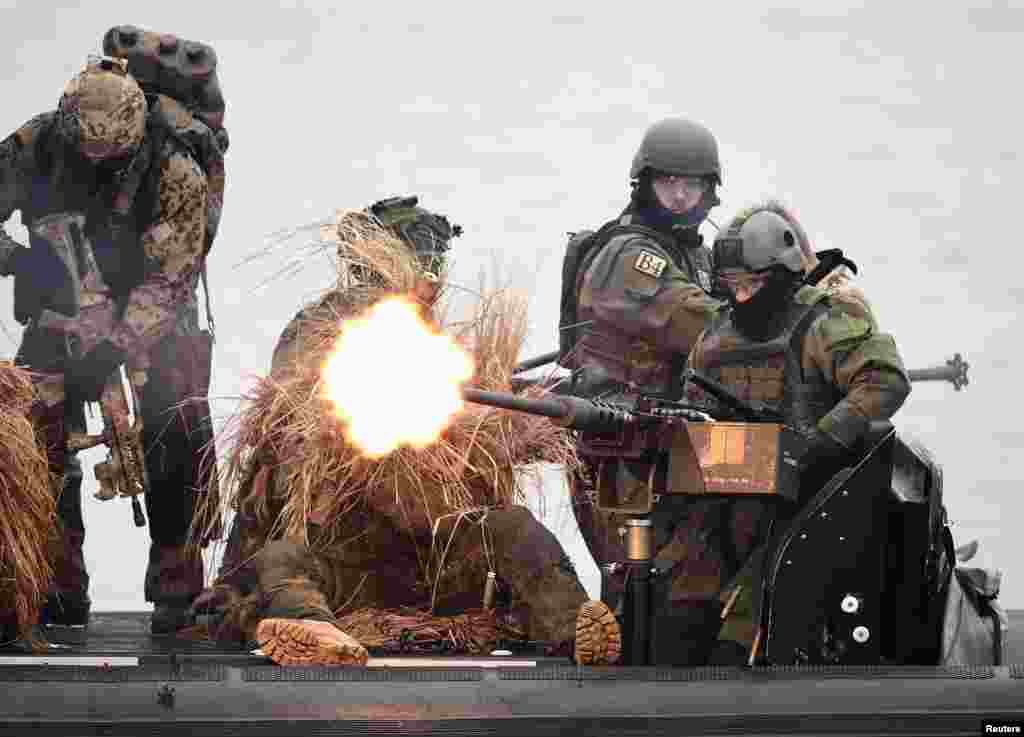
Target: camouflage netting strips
{"type": "Point", "coordinates": [319, 479]}
{"type": "Point", "coordinates": [394, 631]}
{"type": "Point", "coordinates": [27, 509]}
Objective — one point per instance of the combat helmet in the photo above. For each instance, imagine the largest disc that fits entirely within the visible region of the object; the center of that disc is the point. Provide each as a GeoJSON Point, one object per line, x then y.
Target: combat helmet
{"type": "Point", "coordinates": [678, 146]}
{"type": "Point", "coordinates": [102, 112]}
{"type": "Point", "coordinates": [429, 234]}
{"type": "Point", "coordinates": [759, 241]}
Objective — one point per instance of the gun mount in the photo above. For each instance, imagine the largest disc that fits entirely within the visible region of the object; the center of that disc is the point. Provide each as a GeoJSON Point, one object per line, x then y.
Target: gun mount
{"type": "Point", "coordinates": [655, 447]}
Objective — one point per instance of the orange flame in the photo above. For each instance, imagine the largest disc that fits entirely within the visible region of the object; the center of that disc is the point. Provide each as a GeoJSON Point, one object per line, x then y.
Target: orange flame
{"type": "Point", "coordinates": [393, 379]}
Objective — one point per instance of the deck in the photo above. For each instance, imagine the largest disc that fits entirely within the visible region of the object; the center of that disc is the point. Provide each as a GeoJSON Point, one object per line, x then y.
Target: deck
{"type": "Point", "coordinates": [115, 679]}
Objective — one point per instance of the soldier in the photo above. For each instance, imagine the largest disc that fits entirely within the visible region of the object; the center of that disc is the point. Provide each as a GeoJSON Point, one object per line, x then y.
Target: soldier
{"type": "Point", "coordinates": [830, 269]}
{"type": "Point", "coordinates": [104, 162]}
{"type": "Point", "coordinates": [791, 346]}
{"type": "Point", "coordinates": [283, 594]}
{"type": "Point", "coordinates": [642, 290]}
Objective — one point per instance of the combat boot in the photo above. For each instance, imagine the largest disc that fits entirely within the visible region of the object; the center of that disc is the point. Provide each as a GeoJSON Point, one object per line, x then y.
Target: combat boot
{"type": "Point", "coordinates": [598, 635]}
{"type": "Point", "coordinates": [170, 616]}
{"type": "Point", "coordinates": [308, 642]}
{"type": "Point", "coordinates": [174, 578]}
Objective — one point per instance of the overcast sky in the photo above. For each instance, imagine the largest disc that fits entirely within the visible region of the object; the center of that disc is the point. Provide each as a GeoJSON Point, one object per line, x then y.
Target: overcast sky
{"type": "Point", "coordinates": [891, 128]}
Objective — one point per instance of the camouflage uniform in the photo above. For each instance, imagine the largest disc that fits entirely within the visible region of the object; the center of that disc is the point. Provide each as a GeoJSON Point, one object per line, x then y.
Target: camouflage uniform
{"type": "Point", "coordinates": [148, 224]}
{"type": "Point", "coordinates": [379, 564]}
{"type": "Point", "coordinates": [830, 373]}
{"type": "Point", "coordinates": [645, 290]}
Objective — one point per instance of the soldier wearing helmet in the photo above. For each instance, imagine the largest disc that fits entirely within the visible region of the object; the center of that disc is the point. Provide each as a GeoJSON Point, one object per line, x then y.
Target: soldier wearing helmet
{"type": "Point", "coordinates": [427, 234]}
{"type": "Point", "coordinates": [284, 594]}
{"type": "Point", "coordinates": [643, 287]}
{"type": "Point", "coordinates": [790, 346]}
{"type": "Point", "coordinates": [642, 291]}
{"type": "Point", "coordinates": [111, 171]}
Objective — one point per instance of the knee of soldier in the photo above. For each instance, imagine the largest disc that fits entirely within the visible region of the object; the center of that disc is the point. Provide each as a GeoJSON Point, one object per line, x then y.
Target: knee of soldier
{"type": "Point", "coordinates": [514, 519]}
{"type": "Point", "coordinates": [283, 554]}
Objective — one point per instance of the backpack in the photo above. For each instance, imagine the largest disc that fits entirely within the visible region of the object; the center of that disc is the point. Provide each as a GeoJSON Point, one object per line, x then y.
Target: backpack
{"type": "Point", "coordinates": [179, 79]}
{"type": "Point", "coordinates": [580, 251]}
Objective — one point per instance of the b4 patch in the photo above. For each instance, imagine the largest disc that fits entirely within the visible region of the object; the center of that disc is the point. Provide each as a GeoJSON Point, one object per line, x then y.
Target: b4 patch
{"type": "Point", "coordinates": [650, 263]}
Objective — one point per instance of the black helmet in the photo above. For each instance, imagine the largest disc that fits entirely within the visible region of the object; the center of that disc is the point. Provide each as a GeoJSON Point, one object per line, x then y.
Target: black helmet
{"type": "Point", "coordinates": [678, 146]}
{"type": "Point", "coordinates": [757, 242]}
{"type": "Point", "coordinates": [428, 233]}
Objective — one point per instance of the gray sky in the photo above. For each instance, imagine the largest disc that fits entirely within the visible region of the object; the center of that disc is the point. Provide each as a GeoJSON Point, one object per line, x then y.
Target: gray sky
{"type": "Point", "coordinates": [887, 126]}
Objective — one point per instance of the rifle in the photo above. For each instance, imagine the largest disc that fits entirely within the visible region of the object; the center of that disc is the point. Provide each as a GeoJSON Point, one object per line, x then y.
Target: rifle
{"type": "Point", "coordinates": [954, 371]}
{"type": "Point", "coordinates": [124, 471]}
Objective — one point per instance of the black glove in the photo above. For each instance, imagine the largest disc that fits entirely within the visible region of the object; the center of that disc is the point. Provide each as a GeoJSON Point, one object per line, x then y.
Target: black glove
{"type": "Point", "coordinates": [823, 452]}
{"type": "Point", "coordinates": [87, 376]}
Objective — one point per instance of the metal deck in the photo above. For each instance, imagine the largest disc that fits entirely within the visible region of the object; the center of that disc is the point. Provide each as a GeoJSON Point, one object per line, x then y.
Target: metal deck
{"type": "Point", "coordinates": [115, 679]}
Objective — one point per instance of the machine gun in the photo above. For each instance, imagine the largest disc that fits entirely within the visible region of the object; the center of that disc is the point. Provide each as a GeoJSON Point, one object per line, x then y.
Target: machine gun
{"type": "Point", "coordinates": [124, 472]}
{"type": "Point", "coordinates": [657, 447]}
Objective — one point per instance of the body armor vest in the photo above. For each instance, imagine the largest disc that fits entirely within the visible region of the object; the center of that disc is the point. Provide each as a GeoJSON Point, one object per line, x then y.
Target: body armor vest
{"type": "Point", "coordinates": [771, 371]}
{"type": "Point", "coordinates": [615, 361]}
{"type": "Point", "coordinates": [118, 208]}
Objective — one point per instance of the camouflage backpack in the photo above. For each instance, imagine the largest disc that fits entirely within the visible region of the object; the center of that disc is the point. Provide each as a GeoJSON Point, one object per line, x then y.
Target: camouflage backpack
{"type": "Point", "coordinates": [179, 78]}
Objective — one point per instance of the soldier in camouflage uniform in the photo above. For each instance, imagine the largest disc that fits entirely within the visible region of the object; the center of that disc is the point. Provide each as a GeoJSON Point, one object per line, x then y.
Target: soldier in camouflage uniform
{"type": "Point", "coordinates": [816, 360]}
{"type": "Point", "coordinates": [105, 157]}
{"type": "Point", "coordinates": [283, 594]}
{"type": "Point", "coordinates": [644, 287]}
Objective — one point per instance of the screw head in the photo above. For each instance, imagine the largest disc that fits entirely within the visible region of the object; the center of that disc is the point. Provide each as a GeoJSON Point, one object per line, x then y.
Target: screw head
{"type": "Point", "coordinates": [850, 604]}
{"type": "Point", "coordinates": [861, 634]}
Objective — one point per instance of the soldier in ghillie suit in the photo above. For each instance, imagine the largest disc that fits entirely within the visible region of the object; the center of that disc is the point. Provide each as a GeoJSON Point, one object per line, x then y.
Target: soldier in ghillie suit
{"type": "Point", "coordinates": [27, 512]}
{"type": "Point", "coordinates": [824, 366]}
{"type": "Point", "coordinates": [323, 532]}
{"type": "Point", "coordinates": [124, 172]}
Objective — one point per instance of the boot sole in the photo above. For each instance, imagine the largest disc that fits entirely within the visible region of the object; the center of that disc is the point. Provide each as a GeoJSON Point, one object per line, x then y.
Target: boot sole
{"type": "Point", "coordinates": [598, 635]}
{"type": "Point", "coordinates": [305, 642]}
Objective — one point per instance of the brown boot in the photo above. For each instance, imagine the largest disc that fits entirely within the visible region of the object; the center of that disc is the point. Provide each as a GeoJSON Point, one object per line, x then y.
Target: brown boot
{"type": "Point", "coordinates": [598, 635]}
{"type": "Point", "coordinates": [308, 642]}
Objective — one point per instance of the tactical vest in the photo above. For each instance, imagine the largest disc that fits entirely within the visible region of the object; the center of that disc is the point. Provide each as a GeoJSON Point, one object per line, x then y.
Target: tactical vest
{"type": "Point", "coordinates": [118, 209]}
{"type": "Point", "coordinates": [612, 359]}
{"type": "Point", "coordinates": [771, 371]}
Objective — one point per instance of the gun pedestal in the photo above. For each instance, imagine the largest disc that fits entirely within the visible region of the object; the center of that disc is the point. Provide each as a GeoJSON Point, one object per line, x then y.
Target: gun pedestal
{"type": "Point", "coordinates": [636, 628]}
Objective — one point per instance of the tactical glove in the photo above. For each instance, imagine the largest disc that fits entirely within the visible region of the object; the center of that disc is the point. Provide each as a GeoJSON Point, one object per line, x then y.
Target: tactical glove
{"type": "Point", "coordinates": [822, 451]}
{"type": "Point", "coordinates": [88, 375]}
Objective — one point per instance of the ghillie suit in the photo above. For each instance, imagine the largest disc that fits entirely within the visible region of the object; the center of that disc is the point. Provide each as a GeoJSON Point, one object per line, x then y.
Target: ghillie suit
{"type": "Point", "coordinates": [323, 532]}
{"type": "Point", "coordinates": [27, 511]}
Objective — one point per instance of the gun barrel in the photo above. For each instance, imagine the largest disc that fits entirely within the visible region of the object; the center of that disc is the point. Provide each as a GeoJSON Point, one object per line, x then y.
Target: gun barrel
{"type": "Point", "coordinates": [542, 360]}
{"type": "Point", "coordinates": [955, 372]}
{"type": "Point", "coordinates": [575, 413]}
{"type": "Point", "coordinates": [552, 408]}
{"type": "Point", "coordinates": [936, 373]}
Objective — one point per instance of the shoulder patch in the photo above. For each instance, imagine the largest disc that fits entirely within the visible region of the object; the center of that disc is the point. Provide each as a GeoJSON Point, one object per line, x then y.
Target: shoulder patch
{"type": "Point", "coordinates": [649, 263]}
